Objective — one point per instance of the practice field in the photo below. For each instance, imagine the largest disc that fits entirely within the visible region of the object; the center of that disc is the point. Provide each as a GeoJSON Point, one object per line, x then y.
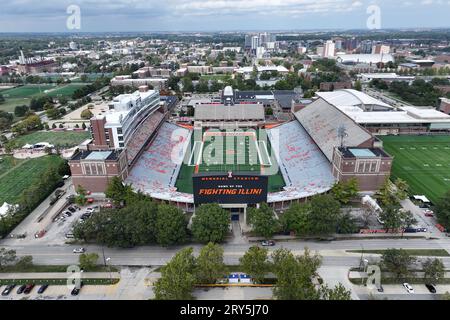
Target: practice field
{"type": "Point", "coordinates": [22, 174]}
{"type": "Point", "coordinates": [422, 161]}
{"type": "Point", "coordinates": [22, 95]}
{"type": "Point", "coordinates": [59, 139]}
{"type": "Point", "coordinates": [235, 152]}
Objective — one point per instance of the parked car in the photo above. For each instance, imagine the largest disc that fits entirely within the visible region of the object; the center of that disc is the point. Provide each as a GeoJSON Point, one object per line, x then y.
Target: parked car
{"type": "Point", "coordinates": [428, 213]}
{"type": "Point", "coordinates": [79, 250]}
{"type": "Point", "coordinates": [70, 236]}
{"type": "Point", "coordinates": [408, 288]}
{"type": "Point", "coordinates": [268, 243]}
{"type": "Point", "coordinates": [422, 230]}
{"type": "Point", "coordinates": [76, 291]}
{"type": "Point", "coordinates": [71, 209]}
{"type": "Point", "coordinates": [431, 287]}
{"type": "Point", "coordinates": [8, 290]}
{"type": "Point", "coordinates": [67, 214]}
{"type": "Point", "coordinates": [42, 288]}
{"type": "Point", "coordinates": [21, 289]}
{"type": "Point", "coordinates": [53, 201]}
{"type": "Point", "coordinates": [60, 184]}
{"type": "Point", "coordinates": [29, 288]}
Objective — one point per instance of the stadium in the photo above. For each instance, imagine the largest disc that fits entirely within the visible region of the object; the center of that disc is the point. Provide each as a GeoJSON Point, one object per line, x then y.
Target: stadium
{"type": "Point", "coordinates": [236, 139]}
{"type": "Point", "coordinates": [228, 153]}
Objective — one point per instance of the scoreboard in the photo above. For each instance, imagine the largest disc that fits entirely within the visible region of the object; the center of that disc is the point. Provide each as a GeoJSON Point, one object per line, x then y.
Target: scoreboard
{"type": "Point", "coordinates": [229, 188]}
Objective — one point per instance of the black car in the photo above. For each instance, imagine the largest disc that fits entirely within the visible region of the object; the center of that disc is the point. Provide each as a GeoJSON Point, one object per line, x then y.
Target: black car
{"type": "Point", "coordinates": [76, 290]}
{"type": "Point", "coordinates": [21, 289]}
{"type": "Point", "coordinates": [8, 290]}
{"type": "Point", "coordinates": [60, 184]}
{"type": "Point", "coordinates": [42, 288]}
{"type": "Point", "coordinates": [431, 287]}
{"type": "Point", "coordinates": [380, 289]}
{"type": "Point", "coordinates": [71, 209]}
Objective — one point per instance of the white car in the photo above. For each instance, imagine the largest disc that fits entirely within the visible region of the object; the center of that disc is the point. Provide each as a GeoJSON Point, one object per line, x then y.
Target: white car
{"type": "Point", "coordinates": [80, 250]}
{"type": "Point", "coordinates": [408, 288]}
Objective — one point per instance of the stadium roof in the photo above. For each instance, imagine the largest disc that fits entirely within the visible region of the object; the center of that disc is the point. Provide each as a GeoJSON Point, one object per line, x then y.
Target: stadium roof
{"type": "Point", "coordinates": [350, 97]}
{"type": "Point", "coordinates": [365, 58]}
{"type": "Point", "coordinates": [322, 121]}
{"type": "Point", "coordinates": [239, 112]}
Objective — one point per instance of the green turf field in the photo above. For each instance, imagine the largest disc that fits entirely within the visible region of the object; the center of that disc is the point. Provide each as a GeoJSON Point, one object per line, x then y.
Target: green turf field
{"type": "Point", "coordinates": [22, 95]}
{"type": "Point", "coordinates": [224, 154]}
{"type": "Point", "coordinates": [62, 139]}
{"type": "Point", "coordinates": [18, 177]}
{"type": "Point", "coordinates": [422, 161]}
{"type": "Point", "coordinates": [27, 91]}
{"type": "Point", "coordinates": [65, 90]}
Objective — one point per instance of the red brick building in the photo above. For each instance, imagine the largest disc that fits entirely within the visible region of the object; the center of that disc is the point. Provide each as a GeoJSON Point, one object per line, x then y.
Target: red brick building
{"type": "Point", "coordinates": [94, 169]}
{"type": "Point", "coordinates": [370, 166]}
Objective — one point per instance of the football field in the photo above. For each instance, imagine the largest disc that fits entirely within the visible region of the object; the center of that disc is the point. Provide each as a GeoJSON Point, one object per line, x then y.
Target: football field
{"type": "Point", "coordinates": [422, 161]}
{"type": "Point", "coordinates": [217, 151]}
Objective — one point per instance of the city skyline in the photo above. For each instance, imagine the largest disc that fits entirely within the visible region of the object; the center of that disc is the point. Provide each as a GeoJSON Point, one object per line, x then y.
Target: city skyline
{"type": "Point", "coordinates": [227, 15]}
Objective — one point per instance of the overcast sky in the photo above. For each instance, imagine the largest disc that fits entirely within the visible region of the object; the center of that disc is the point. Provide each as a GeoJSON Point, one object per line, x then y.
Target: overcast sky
{"type": "Point", "coordinates": [219, 15]}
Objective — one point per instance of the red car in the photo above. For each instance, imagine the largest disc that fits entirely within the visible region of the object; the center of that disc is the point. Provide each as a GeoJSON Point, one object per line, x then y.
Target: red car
{"type": "Point", "coordinates": [428, 213]}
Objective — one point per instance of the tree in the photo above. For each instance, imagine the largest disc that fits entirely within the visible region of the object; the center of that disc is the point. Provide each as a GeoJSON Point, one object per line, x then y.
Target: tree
{"type": "Point", "coordinates": [254, 263]}
{"type": "Point", "coordinates": [86, 114]}
{"type": "Point", "coordinates": [210, 223]}
{"type": "Point", "coordinates": [296, 218]}
{"type": "Point", "coordinates": [339, 293]}
{"type": "Point", "coordinates": [81, 199]}
{"type": "Point", "coordinates": [117, 191]}
{"type": "Point", "coordinates": [177, 277]}
{"type": "Point", "coordinates": [395, 219]}
{"type": "Point", "coordinates": [324, 215]}
{"type": "Point", "coordinates": [345, 191]}
{"type": "Point", "coordinates": [21, 111]}
{"type": "Point", "coordinates": [358, 85]}
{"type": "Point", "coordinates": [397, 261]}
{"type": "Point", "coordinates": [294, 275]}
{"type": "Point", "coordinates": [210, 266]}
{"type": "Point", "coordinates": [434, 270]}
{"type": "Point", "coordinates": [263, 221]}
{"type": "Point", "coordinates": [170, 226]}
{"type": "Point", "coordinates": [88, 261]}
{"type": "Point", "coordinates": [7, 257]}
{"type": "Point", "coordinates": [443, 210]}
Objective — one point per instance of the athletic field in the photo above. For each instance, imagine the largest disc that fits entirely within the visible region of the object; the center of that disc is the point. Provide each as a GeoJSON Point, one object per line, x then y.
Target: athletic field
{"type": "Point", "coordinates": [17, 175]}
{"type": "Point", "coordinates": [422, 161]}
{"type": "Point", "coordinates": [58, 139]}
{"type": "Point", "coordinates": [216, 151]}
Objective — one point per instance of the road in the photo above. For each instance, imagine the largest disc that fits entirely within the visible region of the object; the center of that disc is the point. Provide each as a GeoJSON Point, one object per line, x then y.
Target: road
{"type": "Point", "coordinates": [333, 252]}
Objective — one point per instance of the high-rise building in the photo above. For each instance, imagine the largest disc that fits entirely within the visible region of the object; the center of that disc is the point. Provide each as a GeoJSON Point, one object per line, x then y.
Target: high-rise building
{"type": "Point", "coordinates": [255, 42]}
{"type": "Point", "coordinates": [381, 49]}
{"type": "Point", "coordinates": [329, 49]}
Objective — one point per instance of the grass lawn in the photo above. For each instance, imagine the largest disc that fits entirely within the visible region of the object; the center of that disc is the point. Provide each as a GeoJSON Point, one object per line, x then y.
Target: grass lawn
{"type": "Point", "coordinates": [412, 252]}
{"type": "Point", "coordinates": [422, 161]}
{"type": "Point", "coordinates": [63, 139]}
{"type": "Point", "coordinates": [50, 269]}
{"type": "Point", "coordinates": [22, 95]}
{"type": "Point", "coordinates": [65, 90]}
{"type": "Point", "coordinates": [7, 163]}
{"type": "Point", "coordinates": [15, 180]}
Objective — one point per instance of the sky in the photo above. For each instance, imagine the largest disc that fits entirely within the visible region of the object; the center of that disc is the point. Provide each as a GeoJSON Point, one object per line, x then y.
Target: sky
{"type": "Point", "coordinates": [218, 15]}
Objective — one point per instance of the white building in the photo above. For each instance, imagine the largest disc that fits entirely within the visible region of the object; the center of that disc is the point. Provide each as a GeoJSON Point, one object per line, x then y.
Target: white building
{"type": "Point", "coordinates": [127, 112]}
{"type": "Point", "coordinates": [329, 49]}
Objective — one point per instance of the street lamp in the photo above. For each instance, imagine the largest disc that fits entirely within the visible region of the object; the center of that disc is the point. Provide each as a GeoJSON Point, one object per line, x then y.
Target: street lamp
{"type": "Point", "coordinates": [109, 267]}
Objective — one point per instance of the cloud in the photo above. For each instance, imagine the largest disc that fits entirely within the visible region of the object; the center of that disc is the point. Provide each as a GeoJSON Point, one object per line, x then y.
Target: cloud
{"type": "Point", "coordinates": [130, 15]}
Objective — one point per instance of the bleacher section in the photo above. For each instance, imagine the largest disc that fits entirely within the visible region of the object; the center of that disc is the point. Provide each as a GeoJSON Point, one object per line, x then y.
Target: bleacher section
{"type": "Point", "coordinates": [157, 169]}
{"type": "Point", "coordinates": [140, 137]}
{"type": "Point", "coordinates": [322, 121]}
{"type": "Point", "coordinates": [305, 169]}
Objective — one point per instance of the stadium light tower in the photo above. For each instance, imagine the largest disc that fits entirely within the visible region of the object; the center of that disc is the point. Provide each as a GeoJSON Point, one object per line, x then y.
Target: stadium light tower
{"type": "Point", "coordinates": [342, 134]}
